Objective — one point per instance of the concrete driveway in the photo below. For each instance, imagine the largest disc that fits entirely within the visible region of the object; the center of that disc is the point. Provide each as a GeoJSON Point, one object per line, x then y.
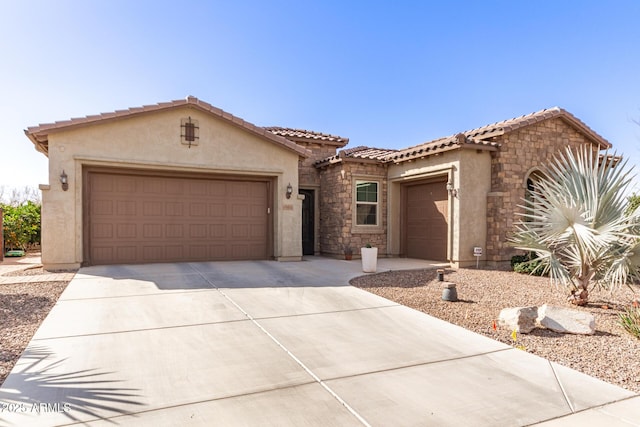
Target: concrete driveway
{"type": "Point", "coordinates": [268, 343]}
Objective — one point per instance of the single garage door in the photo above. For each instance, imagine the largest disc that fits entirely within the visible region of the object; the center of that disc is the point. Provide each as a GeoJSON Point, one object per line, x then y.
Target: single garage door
{"type": "Point", "coordinates": [137, 218]}
{"type": "Point", "coordinates": [426, 221]}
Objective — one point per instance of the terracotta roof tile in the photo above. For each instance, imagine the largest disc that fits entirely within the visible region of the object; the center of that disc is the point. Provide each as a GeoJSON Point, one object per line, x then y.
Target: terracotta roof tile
{"type": "Point", "coordinates": [358, 153]}
{"type": "Point", "coordinates": [510, 125]}
{"type": "Point", "coordinates": [307, 135]}
{"type": "Point", "coordinates": [479, 138]}
{"type": "Point", "coordinates": [440, 145]}
{"type": "Point", "coordinates": [39, 135]}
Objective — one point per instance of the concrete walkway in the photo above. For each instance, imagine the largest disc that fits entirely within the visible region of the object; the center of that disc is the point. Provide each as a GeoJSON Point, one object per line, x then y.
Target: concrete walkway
{"type": "Point", "coordinates": [31, 260]}
{"type": "Point", "coordinates": [287, 344]}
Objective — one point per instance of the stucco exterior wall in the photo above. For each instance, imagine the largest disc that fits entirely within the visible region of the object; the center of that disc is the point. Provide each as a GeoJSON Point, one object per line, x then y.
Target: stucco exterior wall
{"type": "Point", "coordinates": [152, 141]}
{"type": "Point", "coordinates": [470, 173]}
{"type": "Point", "coordinates": [521, 152]}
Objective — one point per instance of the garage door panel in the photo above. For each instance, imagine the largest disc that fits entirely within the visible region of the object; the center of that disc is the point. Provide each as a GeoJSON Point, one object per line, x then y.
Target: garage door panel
{"type": "Point", "coordinates": [126, 231]}
{"type": "Point", "coordinates": [217, 210]}
{"type": "Point", "coordinates": [152, 187]}
{"type": "Point", "coordinates": [102, 207]}
{"type": "Point", "coordinates": [102, 231]}
{"type": "Point", "coordinates": [174, 252]}
{"type": "Point", "coordinates": [139, 218]}
{"type": "Point", "coordinates": [426, 225]}
{"type": "Point", "coordinates": [152, 209]}
{"type": "Point", "coordinates": [174, 231]}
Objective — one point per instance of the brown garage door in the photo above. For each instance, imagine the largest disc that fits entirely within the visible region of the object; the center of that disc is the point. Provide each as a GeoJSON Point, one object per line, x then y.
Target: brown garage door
{"type": "Point", "coordinates": [426, 219]}
{"type": "Point", "coordinates": [136, 218]}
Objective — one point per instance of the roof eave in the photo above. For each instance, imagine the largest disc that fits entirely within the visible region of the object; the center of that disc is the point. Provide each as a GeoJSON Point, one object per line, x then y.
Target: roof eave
{"type": "Point", "coordinates": [440, 150]}
{"type": "Point", "coordinates": [39, 135]}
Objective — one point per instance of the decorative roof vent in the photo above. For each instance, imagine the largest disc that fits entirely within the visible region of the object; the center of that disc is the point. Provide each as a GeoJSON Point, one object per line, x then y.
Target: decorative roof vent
{"type": "Point", "coordinates": [189, 132]}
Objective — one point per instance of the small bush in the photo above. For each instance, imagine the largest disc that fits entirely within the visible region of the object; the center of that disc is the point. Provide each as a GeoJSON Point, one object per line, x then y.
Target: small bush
{"type": "Point", "coordinates": [630, 321]}
{"type": "Point", "coordinates": [527, 264]}
{"type": "Point", "coordinates": [21, 225]}
{"type": "Point", "coordinates": [518, 259]}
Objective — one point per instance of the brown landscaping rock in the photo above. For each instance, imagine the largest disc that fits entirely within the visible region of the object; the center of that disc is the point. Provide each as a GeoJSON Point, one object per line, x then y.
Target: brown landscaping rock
{"type": "Point", "coordinates": [519, 319]}
{"type": "Point", "coordinates": [566, 321]}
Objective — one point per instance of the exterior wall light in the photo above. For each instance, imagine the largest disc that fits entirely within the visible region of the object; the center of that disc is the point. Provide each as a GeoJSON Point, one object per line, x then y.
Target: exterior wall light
{"type": "Point", "coordinates": [289, 191]}
{"type": "Point", "coordinates": [64, 181]}
{"type": "Point", "coordinates": [451, 190]}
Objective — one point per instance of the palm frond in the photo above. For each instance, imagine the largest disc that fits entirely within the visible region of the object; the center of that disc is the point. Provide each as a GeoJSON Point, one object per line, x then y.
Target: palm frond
{"type": "Point", "coordinates": [575, 219]}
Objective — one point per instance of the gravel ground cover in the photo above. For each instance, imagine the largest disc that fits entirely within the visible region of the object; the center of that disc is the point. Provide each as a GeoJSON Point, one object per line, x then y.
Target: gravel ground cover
{"type": "Point", "coordinates": [23, 307]}
{"type": "Point", "coordinates": [611, 354]}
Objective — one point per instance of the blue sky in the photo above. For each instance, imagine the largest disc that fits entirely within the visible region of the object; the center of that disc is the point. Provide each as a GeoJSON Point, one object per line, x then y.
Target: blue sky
{"type": "Point", "coordinates": [384, 74]}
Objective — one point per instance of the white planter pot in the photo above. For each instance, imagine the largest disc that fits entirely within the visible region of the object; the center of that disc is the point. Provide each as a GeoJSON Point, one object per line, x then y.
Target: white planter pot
{"type": "Point", "coordinates": [369, 259]}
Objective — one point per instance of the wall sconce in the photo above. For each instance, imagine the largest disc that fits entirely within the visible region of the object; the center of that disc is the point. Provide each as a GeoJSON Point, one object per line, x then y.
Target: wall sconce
{"type": "Point", "coordinates": [64, 181]}
{"type": "Point", "coordinates": [451, 190]}
{"type": "Point", "coordinates": [289, 191]}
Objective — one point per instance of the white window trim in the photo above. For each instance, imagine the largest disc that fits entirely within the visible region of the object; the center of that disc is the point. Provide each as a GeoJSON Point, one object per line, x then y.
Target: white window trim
{"type": "Point", "coordinates": [366, 228]}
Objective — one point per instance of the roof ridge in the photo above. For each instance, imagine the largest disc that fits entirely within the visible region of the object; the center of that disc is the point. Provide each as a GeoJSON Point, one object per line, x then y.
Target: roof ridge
{"type": "Point", "coordinates": [305, 133]}
{"type": "Point", "coordinates": [39, 135]}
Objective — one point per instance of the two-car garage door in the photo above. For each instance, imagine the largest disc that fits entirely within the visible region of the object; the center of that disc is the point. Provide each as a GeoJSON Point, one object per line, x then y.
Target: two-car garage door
{"type": "Point", "coordinates": [140, 218]}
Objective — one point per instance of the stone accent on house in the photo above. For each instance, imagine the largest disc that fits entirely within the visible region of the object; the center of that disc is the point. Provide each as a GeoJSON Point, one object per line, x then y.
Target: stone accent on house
{"type": "Point", "coordinates": [521, 151]}
{"type": "Point", "coordinates": [337, 204]}
{"type": "Point", "coordinates": [308, 175]}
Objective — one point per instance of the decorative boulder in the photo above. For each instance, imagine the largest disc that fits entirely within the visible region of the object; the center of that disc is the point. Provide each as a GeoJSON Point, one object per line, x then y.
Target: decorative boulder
{"type": "Point", "coordinates": [566, 321]}
{"type": "Point", "coordinates": [520, 319]}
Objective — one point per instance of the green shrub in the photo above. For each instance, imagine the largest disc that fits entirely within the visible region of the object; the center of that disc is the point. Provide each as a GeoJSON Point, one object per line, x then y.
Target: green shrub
{"type": "Point", "coordinates": [527, 264]}
{"type": "Point", "coordinates": [21, 225]}
{"type": "Point", "coordinates": [517, 259]}
{"type": "Point", "coordinates": [630, 321]}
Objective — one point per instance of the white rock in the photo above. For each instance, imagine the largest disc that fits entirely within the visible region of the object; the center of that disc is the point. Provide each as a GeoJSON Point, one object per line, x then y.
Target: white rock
{"type": "Point", "coordinates": [520, 319]}
{"type": "Point", "coordinates": [566, 321]}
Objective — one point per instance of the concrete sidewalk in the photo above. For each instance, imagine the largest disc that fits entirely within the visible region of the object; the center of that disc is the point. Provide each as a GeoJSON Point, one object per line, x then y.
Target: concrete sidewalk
{"type": "Point", "coordinates": [268, 343]}
{"type": "Point", "coordinates": [31, 260]}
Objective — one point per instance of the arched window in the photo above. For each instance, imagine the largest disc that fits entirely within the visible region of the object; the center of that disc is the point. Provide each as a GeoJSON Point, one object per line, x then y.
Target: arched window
{"type": "Point", "coordinates": [532, 177]}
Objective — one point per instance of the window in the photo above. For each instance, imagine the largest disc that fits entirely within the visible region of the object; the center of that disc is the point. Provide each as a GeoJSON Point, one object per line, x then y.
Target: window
{"type": "Point", "coordinates": [531, 187]}
{"type": "Point", "coordinates": [366, 203]}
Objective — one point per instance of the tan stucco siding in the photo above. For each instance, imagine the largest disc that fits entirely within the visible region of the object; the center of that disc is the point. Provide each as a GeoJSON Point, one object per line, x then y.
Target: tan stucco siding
{"type": "Point", "coordinates": [152, 141]}
{"type": "Point", "coordinates": [469, 172]}
{"type": "Point", "coordinates": [474, 185]}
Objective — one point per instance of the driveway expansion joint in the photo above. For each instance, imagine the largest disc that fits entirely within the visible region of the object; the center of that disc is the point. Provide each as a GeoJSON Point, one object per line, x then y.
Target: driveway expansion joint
{"type": "Point", "coordinates": [129, 331]}
{"type": "Point", "coordinates": [317, 379]}
{"type": "Point", "coordinates": [346, 310]}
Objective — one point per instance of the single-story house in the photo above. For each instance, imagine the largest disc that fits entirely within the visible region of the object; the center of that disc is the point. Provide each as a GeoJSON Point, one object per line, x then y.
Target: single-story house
{"type": "Point", "coordinates": [186, 181]}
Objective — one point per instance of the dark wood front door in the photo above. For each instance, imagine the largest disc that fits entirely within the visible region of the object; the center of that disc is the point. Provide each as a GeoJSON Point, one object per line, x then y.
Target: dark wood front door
{"type": "Point", "coordinates": [308, 224]}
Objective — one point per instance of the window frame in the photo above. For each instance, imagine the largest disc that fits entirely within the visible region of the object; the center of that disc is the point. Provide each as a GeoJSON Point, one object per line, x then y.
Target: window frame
{"type": "Point", "coordinates": [377, 203]}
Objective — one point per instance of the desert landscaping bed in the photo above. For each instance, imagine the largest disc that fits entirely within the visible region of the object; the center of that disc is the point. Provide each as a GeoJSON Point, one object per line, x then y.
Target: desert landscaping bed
{"type": "Point", "coordinates": [23, 307]}
{"type": "Point", "coordinates": [611, 354]}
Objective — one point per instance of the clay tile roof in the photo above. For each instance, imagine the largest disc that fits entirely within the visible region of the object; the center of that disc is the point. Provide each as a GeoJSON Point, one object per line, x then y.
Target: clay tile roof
{"type": "Point", "coordinates": [39, 135]}
{"type": "Point", "coordinates": [440, 145]}
{"type": "Point", "coordinates": [359, 153]}
{"type": "Point", "coordinates": [303, 134]}
{"type": "Point", "coordinates": [510, 125]}
{"type": "Point", "coordinates": [480, 138]}
{"type": "Point", "coordinates": [363, 152]}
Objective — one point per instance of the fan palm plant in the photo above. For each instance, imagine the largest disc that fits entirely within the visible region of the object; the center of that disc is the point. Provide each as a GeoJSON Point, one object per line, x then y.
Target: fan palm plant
{"type": "Point", "coordinates": [578, 224]}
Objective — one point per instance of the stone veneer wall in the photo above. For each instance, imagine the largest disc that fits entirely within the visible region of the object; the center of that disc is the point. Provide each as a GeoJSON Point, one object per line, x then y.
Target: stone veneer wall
{"type": "Point", "coordinates": [337, 204]}
{"type": "Point", "coordinates": [308, 175]}
{"type": "Point", "coordinates": [521, 151]}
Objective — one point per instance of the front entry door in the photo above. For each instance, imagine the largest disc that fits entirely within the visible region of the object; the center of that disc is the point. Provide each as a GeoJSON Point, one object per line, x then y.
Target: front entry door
{"type": "Point", "coordinates": [308, 224]}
